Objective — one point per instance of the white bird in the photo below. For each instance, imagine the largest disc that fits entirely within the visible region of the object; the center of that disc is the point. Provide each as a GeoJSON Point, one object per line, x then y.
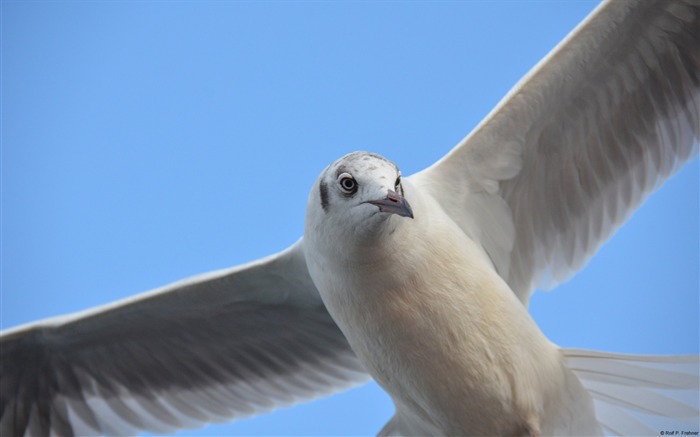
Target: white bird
{"type": "Point", "coordinates": [421, 282]}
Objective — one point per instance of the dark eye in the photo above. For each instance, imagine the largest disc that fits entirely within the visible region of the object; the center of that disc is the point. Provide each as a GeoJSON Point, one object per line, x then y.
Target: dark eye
{"type": "Point", "coordinates": [397, 185]}
{"type": "Point", "coordinates": [348, 184]}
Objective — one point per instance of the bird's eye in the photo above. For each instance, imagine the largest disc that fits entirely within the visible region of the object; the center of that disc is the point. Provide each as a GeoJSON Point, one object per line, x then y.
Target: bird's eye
{"type": "Point", "coordinates": [397, 185]}
{"type": "Point", "coordinates": [348, 184]}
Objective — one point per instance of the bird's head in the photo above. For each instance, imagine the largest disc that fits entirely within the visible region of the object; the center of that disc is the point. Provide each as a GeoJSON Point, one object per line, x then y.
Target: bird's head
{"type": "Point", "coordinates": [360, 196]}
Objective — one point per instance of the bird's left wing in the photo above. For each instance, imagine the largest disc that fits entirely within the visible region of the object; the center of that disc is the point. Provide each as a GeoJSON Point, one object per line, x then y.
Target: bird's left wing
{"type": "Point", "coordinates": [579, 142]}
{"type": "Point", "coordinates": [227, 344]}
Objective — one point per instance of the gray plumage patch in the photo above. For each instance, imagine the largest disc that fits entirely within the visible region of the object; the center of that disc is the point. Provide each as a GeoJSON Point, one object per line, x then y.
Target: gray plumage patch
{"type": "Point", "coordinates": [340, 170]}
{"type": "Point", "coordinates": [364, 156]}
{"type": "Point", "coordinates": [323, 189]}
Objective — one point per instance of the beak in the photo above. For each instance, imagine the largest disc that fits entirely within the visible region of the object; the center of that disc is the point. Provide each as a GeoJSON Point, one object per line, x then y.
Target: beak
{"type": "Point", "coordinates": [393, 203]}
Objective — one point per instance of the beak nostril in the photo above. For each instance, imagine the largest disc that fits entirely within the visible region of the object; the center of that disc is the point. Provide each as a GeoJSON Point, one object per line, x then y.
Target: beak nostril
{"type": "Point", "coordinates": [393, 203]}
{"type": "Point", "coordinates": [393, 196]}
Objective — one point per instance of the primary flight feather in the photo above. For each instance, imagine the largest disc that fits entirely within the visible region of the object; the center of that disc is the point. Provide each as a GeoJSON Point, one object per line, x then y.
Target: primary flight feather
{"type": "Point", "coordinates": [416, 280]}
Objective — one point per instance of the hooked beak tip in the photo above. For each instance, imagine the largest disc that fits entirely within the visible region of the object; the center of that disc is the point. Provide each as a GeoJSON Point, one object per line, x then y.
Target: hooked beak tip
{"type": "Point", "coordinates": [393, 203]}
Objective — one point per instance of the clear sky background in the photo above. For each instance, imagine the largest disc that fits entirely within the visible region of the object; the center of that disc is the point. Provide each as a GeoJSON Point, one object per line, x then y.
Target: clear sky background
{"type": "Point", "coordinates": [143, 142]}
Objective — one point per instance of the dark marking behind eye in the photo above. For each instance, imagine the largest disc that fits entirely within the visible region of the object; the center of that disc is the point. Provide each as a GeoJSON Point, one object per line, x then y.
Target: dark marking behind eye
{"type": "Point", "coordinates": [323, 189]}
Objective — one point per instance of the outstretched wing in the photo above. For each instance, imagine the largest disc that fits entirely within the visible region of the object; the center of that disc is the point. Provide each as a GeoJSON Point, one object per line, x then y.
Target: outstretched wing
{"type": "Point", "coordinates": [227, 344]}
{"type": "Point", "coordinates": [579, 142]}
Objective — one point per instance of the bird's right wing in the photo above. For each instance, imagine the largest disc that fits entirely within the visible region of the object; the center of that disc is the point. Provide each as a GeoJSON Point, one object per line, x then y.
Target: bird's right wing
{"type": "Point", "coordinates": [227, 344]}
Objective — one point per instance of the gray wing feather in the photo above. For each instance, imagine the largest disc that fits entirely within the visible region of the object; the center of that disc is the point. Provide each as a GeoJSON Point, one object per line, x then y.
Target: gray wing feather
{"type": "Point", "coordinates": [579, 142]}
{"type": "Point", "coordinates": [227, 344]}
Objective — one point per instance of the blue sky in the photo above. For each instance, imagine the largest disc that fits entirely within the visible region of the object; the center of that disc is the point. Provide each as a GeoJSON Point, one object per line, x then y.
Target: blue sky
{"type": "Point", "coordinates": [143, 142]}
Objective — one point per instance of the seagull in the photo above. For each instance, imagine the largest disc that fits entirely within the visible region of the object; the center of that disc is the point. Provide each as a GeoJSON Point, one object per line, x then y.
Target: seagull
{"type": "Point", "coordinates": [420, 282]}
